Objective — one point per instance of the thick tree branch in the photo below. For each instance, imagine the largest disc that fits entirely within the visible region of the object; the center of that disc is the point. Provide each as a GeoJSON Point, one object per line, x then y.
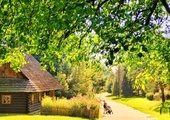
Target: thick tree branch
{"type": "Point", "coordinates": [66, 34]}
{"type": "Point", "coordinates": [152, 9]}
{"type": "Point", "coordinates": [165, 4]}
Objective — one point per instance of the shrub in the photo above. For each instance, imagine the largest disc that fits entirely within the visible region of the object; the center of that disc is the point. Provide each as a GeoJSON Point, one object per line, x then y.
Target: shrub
{"type": "Point", "coordinates": [167, 95]}
{"type": "Point", "coordinates": [77, 106]}
{"type": "Point", "coordinates": [150, 96]}
{"type": "Point", "coordinates": [46, 106]}
{"type": "Point", "coordinates": [52, 106]}
{"type": "Point", "coordinates": [157, 96]}
{"type": "Point", "coordinates": [163, 108]}
{"type": "Point", "coordinates": [84, 105]}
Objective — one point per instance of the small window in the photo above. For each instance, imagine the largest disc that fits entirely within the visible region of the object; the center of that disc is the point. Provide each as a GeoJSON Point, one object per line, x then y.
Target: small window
{"type": "Point", "coordinates": [6, 99]}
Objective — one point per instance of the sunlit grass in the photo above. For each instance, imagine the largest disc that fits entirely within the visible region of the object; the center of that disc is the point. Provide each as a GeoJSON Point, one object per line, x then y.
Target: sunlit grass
{"type": "Point", "coordinates": [39, 117]}
{"type": "Point", "coordinates": [144, 105]}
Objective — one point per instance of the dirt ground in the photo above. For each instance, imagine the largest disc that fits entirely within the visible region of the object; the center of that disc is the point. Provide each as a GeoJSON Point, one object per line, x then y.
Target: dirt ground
{"type": "Point", "coordinates": [123, 112]}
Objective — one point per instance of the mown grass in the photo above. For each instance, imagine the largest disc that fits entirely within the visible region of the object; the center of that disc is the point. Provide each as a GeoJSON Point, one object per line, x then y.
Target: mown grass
{"type": "Point", "coordinates": [40, 117]}
{"type": "Point", "coordinates": [144, 105]}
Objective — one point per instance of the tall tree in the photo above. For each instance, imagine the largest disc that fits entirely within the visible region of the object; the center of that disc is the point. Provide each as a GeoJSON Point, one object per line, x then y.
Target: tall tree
{"type": "Point", "coordinates": [153, 66]}
{"type": "Point", "coordinates": [126, 86]}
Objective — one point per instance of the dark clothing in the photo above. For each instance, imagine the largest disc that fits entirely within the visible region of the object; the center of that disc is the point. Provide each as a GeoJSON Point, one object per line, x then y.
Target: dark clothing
{"type": "Point", "coordinates": [105, 105]}
{"type": "Point", "coordinates": [107, 108]}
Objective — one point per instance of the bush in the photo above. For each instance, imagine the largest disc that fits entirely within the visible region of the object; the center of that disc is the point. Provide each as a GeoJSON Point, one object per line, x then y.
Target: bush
{"type": "Point", "coordinates": [51, 106]}
{"type": "Point", "coordinates": [77, 106]}
{"type": "Point", "coordinates": [150, 96]}
{"type": "Point", "coordinates": [157, 96]}
{"type": "Point", "coordinates": [167, 95]}
{"type": "Point", "coordinates": [83, 106]}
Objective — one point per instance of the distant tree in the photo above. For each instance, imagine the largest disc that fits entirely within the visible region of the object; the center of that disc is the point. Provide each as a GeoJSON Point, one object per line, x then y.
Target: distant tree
{"type": "Point", "coordinates": [118, 74]}
{"type": "Point", "coordinates": [127, 88]}
{"type": "Point", "coordinates": [81, 82]}
{"type": "Point", "coordinates": [109, 81]}
{"type": "Point", "coordinates": [99, 80]}
{"type": "Point", "coordinates": [82, 79]}
{"type": "Point", "coordinates": [152, 67]}
{"type": "Point", "coordinates": [115, 88]}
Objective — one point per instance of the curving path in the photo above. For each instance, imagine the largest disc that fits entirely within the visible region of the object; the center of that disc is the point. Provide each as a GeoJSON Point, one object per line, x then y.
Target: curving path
{"type": "Point", "coordinates": [123, 112]}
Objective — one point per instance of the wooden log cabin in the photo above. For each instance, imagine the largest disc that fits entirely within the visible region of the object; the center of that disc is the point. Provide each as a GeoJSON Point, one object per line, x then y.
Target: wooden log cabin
{"type": "Point", "coordinates": [22, 92]}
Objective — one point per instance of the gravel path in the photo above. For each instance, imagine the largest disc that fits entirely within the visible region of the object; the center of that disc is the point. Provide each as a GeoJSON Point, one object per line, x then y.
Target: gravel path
{"type": "Point", "coordinates": [123, 112]}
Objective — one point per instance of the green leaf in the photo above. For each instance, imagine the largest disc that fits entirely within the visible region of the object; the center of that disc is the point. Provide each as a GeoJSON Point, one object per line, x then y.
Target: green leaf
{"type": "Point", "coordinates": [147, 28]}
{"type": "Point", "coordinates": [133, 49]}
{"type": "Point", "coordinates": [144, 48]}
{"type": "Point", "coordinates": [120, 31]}
{"type": "Point", "coordinates": [140, 55]}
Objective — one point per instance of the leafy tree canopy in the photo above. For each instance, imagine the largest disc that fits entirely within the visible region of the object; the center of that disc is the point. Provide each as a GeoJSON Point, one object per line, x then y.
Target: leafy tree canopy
{"type": "Point", "coordinates": [75, 29]}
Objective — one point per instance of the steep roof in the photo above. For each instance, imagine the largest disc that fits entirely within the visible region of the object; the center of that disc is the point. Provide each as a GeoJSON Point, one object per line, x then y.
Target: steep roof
{"type": "Point", "coordinates": [38, 80]}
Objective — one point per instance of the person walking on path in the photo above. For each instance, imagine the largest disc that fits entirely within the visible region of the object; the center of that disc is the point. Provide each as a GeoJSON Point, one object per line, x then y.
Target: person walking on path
{"type": "Point", "coordinates": [123, 112]}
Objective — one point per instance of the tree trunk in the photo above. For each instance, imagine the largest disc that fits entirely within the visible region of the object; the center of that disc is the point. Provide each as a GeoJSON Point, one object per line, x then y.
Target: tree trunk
{"type": "Point", "coordinates": [163, 96]}
{"type": "Point", "coordinates": [162, 92]}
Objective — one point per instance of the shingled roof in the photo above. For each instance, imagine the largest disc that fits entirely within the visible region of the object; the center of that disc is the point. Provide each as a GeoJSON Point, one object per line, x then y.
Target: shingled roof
{"type": "Point", "coordinates": [38, 80]}
{"type": "Point", "coordinates": [16, 85]}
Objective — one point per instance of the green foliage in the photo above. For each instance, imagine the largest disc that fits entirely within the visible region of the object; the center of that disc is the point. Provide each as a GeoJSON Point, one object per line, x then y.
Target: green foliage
{"type": "Point", "coordinates": [98, 79]}
{"type": "Point", "coordinates": [82, 79]}
{"type": "Point", "coordinates": [109, 86]}
{"type": "Point", "coordinates": [115, 88]}
{"type": "Point", "coordinates": [118, 83]}
{"type": "Point", "coordinates": [120, 31]}
{"type": "Point", "coordinates": [79, 106]}
{"type": "Point", "coordinates": [36, 27]}
{"type": "Point", "coordinates": [163, 108]}
{"type": "Point", "coordinates": [167, 95]}
{"type": "Point", "coordinates": [157, 96]}
{"type": "Point", "coordinates": [109, 80]}
{"type": "Point", "coordinates": [152, 70]}
{"type": "Point", "coordinates": [150, 96]}
{"type": "Point", "coordinates": [16, 60]}
{"type": "Point", "coordinates": [153, 66]}
{"type": "Point", "coordinates": [127, 90]}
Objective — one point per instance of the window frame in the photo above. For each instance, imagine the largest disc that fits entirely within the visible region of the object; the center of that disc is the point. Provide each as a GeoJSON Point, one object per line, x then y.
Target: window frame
{"type": "Point", "coordinates": [8, 97]}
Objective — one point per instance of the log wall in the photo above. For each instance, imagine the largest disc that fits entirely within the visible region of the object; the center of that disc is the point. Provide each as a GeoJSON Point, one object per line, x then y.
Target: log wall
{"type": "Point", "coordinates": [34, 103]}
{"type": "Point", "coordinates": [18, 103]}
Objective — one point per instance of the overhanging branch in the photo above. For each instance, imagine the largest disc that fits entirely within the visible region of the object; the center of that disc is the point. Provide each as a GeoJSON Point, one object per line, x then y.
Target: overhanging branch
{"type": "Point", "coordinates": [152, 9]}
{"type": "Point", "coordinates": [165, 4]}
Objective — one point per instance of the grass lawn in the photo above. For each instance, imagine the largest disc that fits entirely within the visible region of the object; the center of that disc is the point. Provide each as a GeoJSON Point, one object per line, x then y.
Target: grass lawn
{"type": "Point", "coordinates": [144, 105]}
{"type": "Point", "coordinates": [39, 117]}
